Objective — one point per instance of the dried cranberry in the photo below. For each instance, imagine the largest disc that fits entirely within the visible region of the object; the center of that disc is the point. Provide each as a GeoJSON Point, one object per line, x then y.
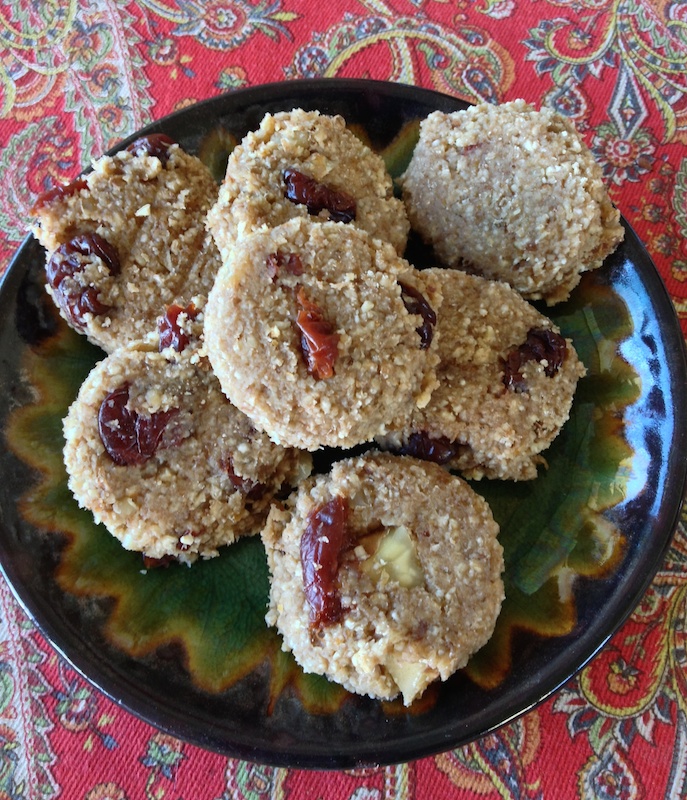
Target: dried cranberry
{"type": "Point", "coordinates": [57, 193]}
{"type": "Point", "coordinates": [290, 262]}
{"type": "Point", "coordinates": [319, 343]}
{"type": "Point", "coordinates": [154, 144]}
{"type": "Point", "coordinates": [156, 563]}
{"type": "Point", "coordinates": [416, 303]}
{"type": "Point", "coordinates": [542, 345]}
{"type": "Point", "coordinates": [171, 334]}
{"type": "Point", "coordinates": [130, 438]}
{"type": "Point", "coordinates": [325, 539]}
{"type": "Point", "coordinates": [441, 449]}
{"type": "Point", "coordinates": [253, 490]}
{"type": "Point", "coordinates": [66, 261]}
{"type": "Point", "coordinates": [304, 190]}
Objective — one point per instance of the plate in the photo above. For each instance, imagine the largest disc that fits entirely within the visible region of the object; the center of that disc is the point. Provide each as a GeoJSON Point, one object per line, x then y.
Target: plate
{"type": "Point", "coordinates": [187, 649]}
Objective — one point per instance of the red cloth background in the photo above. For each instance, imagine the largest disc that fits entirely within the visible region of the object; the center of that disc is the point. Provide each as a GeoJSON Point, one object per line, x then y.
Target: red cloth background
{"type": "Point", "coordinates": [78, 75]}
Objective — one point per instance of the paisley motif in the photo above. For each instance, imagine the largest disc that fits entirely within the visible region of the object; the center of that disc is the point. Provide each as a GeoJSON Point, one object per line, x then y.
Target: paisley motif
{"type": "Point", "coordinates": [497, 762]}
{"type": "Point", "coordinates": [623, 158]}
{"type": "Point", "coordinates": [463, 61]}
{"type": "Point", "coordinates": [644, 40]}
{"type": "Point", "coordinates": [247, 781]}
{"type": "Point", "coordinates": [630, 690]}
{"type": "Point", "coordinates": [609, 777]}
{"type": "Point", "coordinates": [222, 25]}
{"type": "Point", "coordinates": [93, 64]}
{"type": "Point", "coordinates": [24, 759]}
{"type": "Point", "coordinates": [680, 198]}
{"type": "Point", "coordinates": [30, 57]}
{"type": "Point", "coordinates": [623, 680]}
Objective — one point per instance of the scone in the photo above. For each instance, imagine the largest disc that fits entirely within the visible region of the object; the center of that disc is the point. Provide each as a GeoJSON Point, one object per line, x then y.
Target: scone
{"type": "Point", "coordinates": [320, 334]}
{"type": "Point", "coordinates": [513, 194]}
{"type": "Point", "coordinates": [160, 456]}
{"type": "Point", "coordinates": [506, 377]}
{"type": "Point", "coordinates": [128, 239]}
{"type": "Point", "coordinates": [303, 163]}
{"type": "Point", "coordinates": [385, 574]}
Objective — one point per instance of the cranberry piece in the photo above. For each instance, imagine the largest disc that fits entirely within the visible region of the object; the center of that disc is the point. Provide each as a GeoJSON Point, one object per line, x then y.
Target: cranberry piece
{"type": "Point", "coordinates": [304, 190]}
{"type": "Point", "coordinates": [253, 490]}
{"type": "Point", "coordinates": [154, 144]}
{"type": "Point", "coordinates": [156, 563]}
{"type": "Point", "coordinates": [66, 261]}
{"type": "Point", "coordinates": [325, 539]}
{"type": "Point", "coordinates": [319, 343]}
{"type": "Point", "coordinates": [441, 449]}
{"type": "Point", "coordinates": [171, 334]}
{"type": "Point", "coordinates": [57, 193]}
{"type": "Point", "coordinates": [416, 303]}
{"type": "Point", "coordinates": [130, 438]}
{"type": "Point", "coordinates": [541, 345]}
{"type": "Point", "coordinates": [290, 262]}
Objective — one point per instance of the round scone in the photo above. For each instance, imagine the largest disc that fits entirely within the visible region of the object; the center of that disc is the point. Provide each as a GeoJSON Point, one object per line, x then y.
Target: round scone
{"type": "Point", "coordinates": [506, 383]}
{"type": "Point", "coordinates": [322, 335]}
{"type": "Point", "coordinates": [303, 163]}
{"type": "Point", "coordinates": [128, 239]}
{"type": "Point", "coordinates": [385, 574]}
{"type": "Point", "coordinates": [513, 194]}
{"type": "Point", "coordinates": [160, 456]}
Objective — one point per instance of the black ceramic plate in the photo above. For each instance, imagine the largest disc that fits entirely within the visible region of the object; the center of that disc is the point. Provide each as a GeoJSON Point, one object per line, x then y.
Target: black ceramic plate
{"type": "Point", "coordinates": [187, 649]}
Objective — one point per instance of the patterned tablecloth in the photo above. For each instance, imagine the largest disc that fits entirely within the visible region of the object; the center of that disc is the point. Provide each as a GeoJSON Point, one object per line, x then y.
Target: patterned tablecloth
{"type": "Point", "coordinates": [79, 75]}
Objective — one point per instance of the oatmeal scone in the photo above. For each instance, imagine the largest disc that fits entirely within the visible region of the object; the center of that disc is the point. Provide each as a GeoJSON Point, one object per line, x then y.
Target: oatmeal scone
{"type": "Point", "coordinates": [159, 455]}
{"type": "Point", "coordinates": [511, 193]}
{"type": "Point", "coordinates": [385, 574]}
{"type": "Point", "coordinates": [127, 239]}
{"type": "Point", "coordinates": [322, 335]}
{"type": "Point", "coordinates": [303, 163]}
{"type": "Point", "coordinates": [507, 379]}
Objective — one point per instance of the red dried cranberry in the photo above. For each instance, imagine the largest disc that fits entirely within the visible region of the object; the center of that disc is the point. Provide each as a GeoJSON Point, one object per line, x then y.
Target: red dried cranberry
{"type": "Point", "coordinates": [156, 563]}
{"type": "Point", "coordinates": [325, 539]}
{"type": "Point", "coordinates": [57, 193]}
{"type": "Point", "coordinates": [416, 303]}
{"type": "Point", "coordinates": [253, 490]}
{"type": "Point", "coordinates": [290, 262]}
{"type": "Point", "coordinates": [441, 449]}
{"type": "Point", "coordinates": [66, 261]}
{"type": "Point", "coordinates": [130, 438]}
{"type": "Point", "coordinates": [171, 334]}
{"type": "Point", "coordinates": [304, 190]}
{"type": "Point", "coordinates": [154, 144]}
{"type": "Point", "coordinates": [319, 343]}
{"type": "Point", "coordinates": [542, 345]}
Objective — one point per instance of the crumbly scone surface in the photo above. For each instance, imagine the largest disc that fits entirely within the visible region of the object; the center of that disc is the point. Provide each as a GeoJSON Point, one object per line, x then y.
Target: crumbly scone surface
{"type": "Point", "coordinates": [319, 146]}
{"type": "Point", "coordinates": [381, 371]}
{"type": "Point", "coordinates": [511, 193]}
{"type": "Point", "coordinates": [430, 628]}
{"type": "Point", "coordinates": [182, 501]}
{"type": "Point", "coordinates": [153, 214]}
{"type": "Point", "coordinates": [502, 432]}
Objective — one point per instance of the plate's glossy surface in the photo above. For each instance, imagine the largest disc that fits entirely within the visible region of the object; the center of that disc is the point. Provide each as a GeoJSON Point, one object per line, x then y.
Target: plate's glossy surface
{"type": "Point", "coordinates": [187, 649]}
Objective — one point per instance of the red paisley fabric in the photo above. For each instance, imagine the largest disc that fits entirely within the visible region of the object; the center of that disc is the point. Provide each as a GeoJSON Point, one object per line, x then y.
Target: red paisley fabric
{"type": "Point", "coordinates": [76, 76]}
